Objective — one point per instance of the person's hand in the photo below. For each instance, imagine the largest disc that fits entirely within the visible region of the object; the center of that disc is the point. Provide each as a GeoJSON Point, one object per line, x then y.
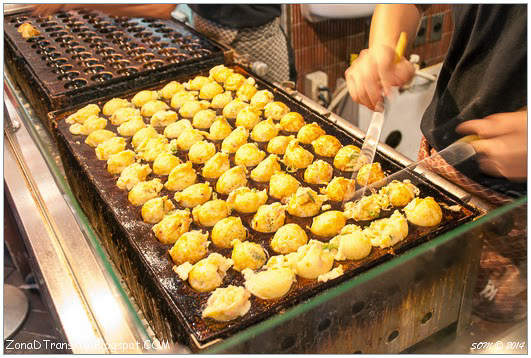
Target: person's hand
{"type": "Point", "coordinates": [374, 72]}
{"type": "Point", "coordinates": [502, 149]}
{"type": "Point", "coordinates": [47, 9]}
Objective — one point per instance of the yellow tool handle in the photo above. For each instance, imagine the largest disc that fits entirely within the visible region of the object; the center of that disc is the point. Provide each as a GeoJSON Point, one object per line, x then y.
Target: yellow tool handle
{"type": "Point", "coordinates": [400, 46]}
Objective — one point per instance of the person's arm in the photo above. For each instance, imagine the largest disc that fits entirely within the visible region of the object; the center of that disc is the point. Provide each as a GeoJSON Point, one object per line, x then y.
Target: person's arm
{"type": "Point", "coordinates": [374, 71]}
{"type": "Point", "coordinates": [161, 11]}
{"type": "Point", "coordinates": [502, 149]}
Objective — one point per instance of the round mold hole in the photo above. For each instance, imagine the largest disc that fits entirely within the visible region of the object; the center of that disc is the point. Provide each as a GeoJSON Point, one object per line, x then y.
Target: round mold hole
{"type": "Point", "coordinates": [36, 39]}
{"type": "Point", "coordinates": [81, 55]}
{"type": "Point", "coordinates": [76, 83]}
{"type": "Point", "coordinates": [426, 318]}
{"type": "Point", "coordinates": [53, 29]}
{"type": "Point", "coordinates": [49, 23]}
{"type": "Point", "coordinates": [102, 76]}
{"type": "Point", "coordinates": [202, 52]}
{"type": "Point", "coordinates": [62, 15]}
{"type": "Point", "coordinates": [127, 71]}
{"type": "Point", "coordinates": [106, 51]}
{"type": "Point", "coordinates": [46, 50]}
{"type": "Point", "coordinates": [120, 64]}
{"type": "Point", "coordinates": [146, 57]}
{"type": "Point", "coordinates": [52, 55]}
{"type": "Point", "coordinates": [169, 51]}
{"type": "Point", "coordinates": [94, 68]}
{"type": "Point", "coordinates": [156, 25]}
{"type": "Point", "coordinates": [288, 342]}
{"type": "Point", "coordinates": [164, 30]}
{"type": "Point", "coordinates": [392, 336]}
{"type": "Point", "coordinates": [113, 57]}
{"type": "Point", "coordinates": [137, 51]}
{"type": "Point", "coordinates": [80, 29]}
{"type": "Point", "coordinates": [75, 49]}
{"type": "Point", "coordinates": [324, 324]}
{"type": "Point", "coordinates": [69, 75]}
{"type": "Point", "coordinates": [58, 33]}
{"type": "Point", "coordinates": [153, 64]}
{"type": "Point", "coordinates": [69, 44]}
{"type": "Point", "coordinates": [357, 307]}
{"type": "Point", "coordinates": [108, 29]}
{"type": "Point", "coordinates": [62, 68]}
{"type": "Point", "coordinates": [135, 29]}
{"type": "Point", "coordinates": [178, 58]}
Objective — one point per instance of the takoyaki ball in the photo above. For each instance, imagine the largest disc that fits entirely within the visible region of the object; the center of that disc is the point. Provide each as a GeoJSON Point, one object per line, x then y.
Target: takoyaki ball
{"type": "Point", "coordinates": [233, 178]}
{"type": "Point", "coordinates": [231, 110]}
{"type": "Point", "coordinates": [153, 147]}
{"type": "Point", "coordinates": [326, 146]}
{"type": "Point", "coordinates": [370, 173]}
{"type": "Point", "coordinates": [174, 130]}
{"type": "Point", "coordinates": [249, 155]}
{"type": "Point", "coordinates": [275, 110]}
{"type": "Point", "coordinates": [114, 104]}
{"type": "Point", "coordinates": [190, 247]}
{"type": "Point", "coordinates": [190, 108]}
{"type": "Point", "coordinates": [282, 185]}
{"type": "Point", "coordinates": [207, 274]}
{"type": "Point", "coordinates": [221, 100]}
{"type": "Point", "coordinates": [283, 261]}
{"type": "Point", "coordinates": [350, 229]}
{"type": "Point", "coordinates": [367, 208]}
{"type": "Point", "coordinates": [400, 193]}
{"type": "Point", "coordinates": [353, 246]}
{"type": "Point", "coordinates": [310, 132]}
{"type": "Point", "coordinates": [209, 213]}
{"type": "Point", "coordinates": [246, 91]}
{"type": "Point", "coordinates": [204, 118]}
{"type": "Point", "coordinates": [319, 172]}
{"type": "Point", "coordinates": [164, 163]}
{"type": "Point", "coordinates": [269, 218]}
{"type": "Point", "coordinates": [82, 114]}
{"type": "Point", "coordinates": [332, 274]}
{"type": "Point", "coordinates": [247, 255]}
{"type": "Point", "coordinates": [292, 122]}
{"type": "Point", "coordinates": [247, 118]}
{"type": "Point", "coordinates": [90, 125]}
{"type": "Point", "coordinates": [234, 81]}
{"type": "Point", "coordinates": [278, 144]}
{"type": "Point", "coordinates": [313, 260]}
{"type": "Point", "coordinates": [119, 161]}
{"type": "Point", "coordinates": [245, 200]}
{"type": "Point", "coordinates": [220, 73]}
{"type": "Point", "coordinates": [305, 203]}
{"type": "Point", "coordinates": [346, 158]}
{"type": "Point", "coordinates": [210, 90]}
{"type": "Point", "coordinates": [172, 226]}
{"type": "Point", "coordinates": [201, 151]}
{"type": "Point", "coordinates": [109, 147]}
{"type": "Point", "coordinates": [163, 118]}
{"type": "Point", "coordinates": [235, 140]}
{"type": "Point", "coordinates": [133, 174]}
{"type": "Point", "coordinates": [264, 131]}
{"type": "Point", "coordinates": [143, 191]}
{"type": "Point", "coordinates": [228, 229]}
{"type": "Point", "coordinates": [227, 303]}
{"type": "Point", "coordinates": [340, 189]}
{"type": "Point", "coordinates": [220, 129]}
{"type": "Point", "coordinates": [188, 138]}
{"type": "Point", "coordinates": [194, 195]}
{"type": "Point", "coordinates": [288, 239]}
{"type": "Point", "coordinates": [144, 97]}
{"type": "Point", "coordinates": [265, 169]}
{"type": "Point", "coordinates": [131, 127]}
{"type": "Point", "coordinates": [124, 114]}
{"type": "Point", "coordinates": [387, 231]}
{"type": "Point", "coordinates": [424, 212]}
{"type": "Point", "coordinates": [170, 89]}
{"type": "Point", "coordinates": [216, 166]}
{"type": "Point", "coordinates": [140, 138]}
{"type": "Point", "coordinates": [27, 30]}
{"type": "Point", "coordinates": [328, 223]}
{"type": "Point", "coordinates": [154, 209]}
{"type": "Point", "coordinates": [269, 284]}
{"type": "Point", "coordinates": [261, 99]}
{"type": "Point", "coordinates": [181, 177]}
{"type": "Point", "coordinates": [152, 107]}
{"type": "Point", "coordinates": [296, 157]}
{"type": "Point", "coordinates": [198, 82]}
{"type": "Point", "coordinates": [98, 136]}
{"type": "Point", "coordinates": [180, 98]}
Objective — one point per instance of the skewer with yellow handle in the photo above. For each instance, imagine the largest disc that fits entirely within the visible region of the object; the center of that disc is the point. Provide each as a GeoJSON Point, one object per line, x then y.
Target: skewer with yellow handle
{"type": "Point", "coordinates": [400, 46]}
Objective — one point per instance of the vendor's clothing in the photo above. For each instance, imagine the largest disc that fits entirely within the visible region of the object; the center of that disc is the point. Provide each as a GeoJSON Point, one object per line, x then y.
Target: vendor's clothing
{"type": "Point", "coordinates": [485, 72]}
{"type": "Point", "coordinates": [266, 43]}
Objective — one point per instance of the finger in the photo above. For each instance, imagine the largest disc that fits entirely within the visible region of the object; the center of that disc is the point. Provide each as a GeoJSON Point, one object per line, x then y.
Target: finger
{"type": "Point", "coordinates": [485, 149]}
{"type": "Point", "coordinates": [363, 98]}
{"type": "Point", "coordinates": [372, 86]}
